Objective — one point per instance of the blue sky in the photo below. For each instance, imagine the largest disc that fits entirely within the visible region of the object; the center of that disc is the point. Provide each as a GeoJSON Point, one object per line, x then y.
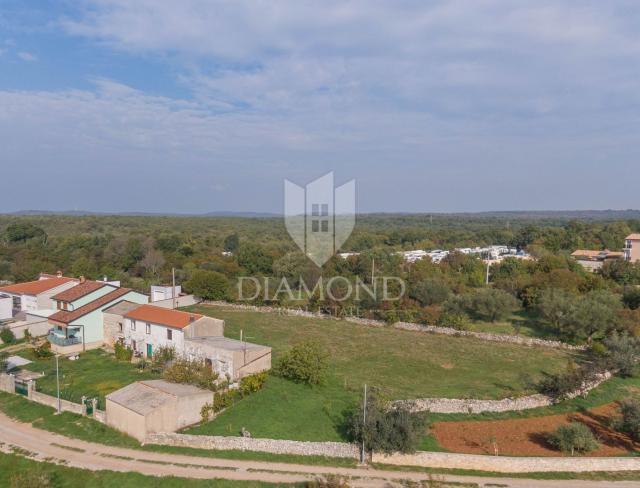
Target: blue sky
{"type": "Point", "coordinates": [198, 106]}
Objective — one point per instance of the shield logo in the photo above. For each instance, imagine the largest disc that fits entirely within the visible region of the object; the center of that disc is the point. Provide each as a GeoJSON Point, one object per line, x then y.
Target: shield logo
{"type": "Point", "coordinates": [318, 217]}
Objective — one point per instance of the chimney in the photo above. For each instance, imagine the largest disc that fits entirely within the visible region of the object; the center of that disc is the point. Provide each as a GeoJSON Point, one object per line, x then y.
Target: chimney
{"type": "Point", "coordinates": [59, 273]}
{"type": "Point", "coordinates": [82, 279]}
{"type": "Point", "coordinates": [104, 278]}
{"type": "Point", "coordinates": [192, 318]}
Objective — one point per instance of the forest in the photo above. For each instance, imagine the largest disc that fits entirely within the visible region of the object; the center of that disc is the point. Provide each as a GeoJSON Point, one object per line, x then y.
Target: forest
{"type": "Point", "coordinates": [551, 295]}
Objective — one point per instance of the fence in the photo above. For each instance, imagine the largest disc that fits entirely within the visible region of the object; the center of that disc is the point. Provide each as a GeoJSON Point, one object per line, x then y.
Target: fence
{"type": "Point", "coordinates": [87, 406]}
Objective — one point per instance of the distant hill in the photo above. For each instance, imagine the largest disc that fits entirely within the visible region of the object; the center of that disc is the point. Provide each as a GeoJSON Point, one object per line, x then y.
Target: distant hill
{"type": "Point", "coordinates": [628, 214]}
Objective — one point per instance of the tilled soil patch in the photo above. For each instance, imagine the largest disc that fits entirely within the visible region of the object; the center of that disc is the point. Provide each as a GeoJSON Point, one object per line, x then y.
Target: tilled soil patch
{"type": "Point", "coordinates": [528, 437]}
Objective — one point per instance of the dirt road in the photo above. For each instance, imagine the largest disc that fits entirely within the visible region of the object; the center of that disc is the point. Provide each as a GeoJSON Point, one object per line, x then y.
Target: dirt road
{"type": "Point", "coordinates": [43, 445]}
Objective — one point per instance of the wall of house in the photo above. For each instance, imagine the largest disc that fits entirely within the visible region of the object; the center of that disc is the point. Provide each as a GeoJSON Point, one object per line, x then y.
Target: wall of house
{"type": "Point", "coordinates": [30, 303]}
{"type": "Point", "coordinates": [44, 299]}
{"type": "Point", "coordinates": [111, 327]}
{"type": "Point", "coordinates": [222, 360]}
{"type": "Point", "coordinates": [94, 295]}
{"type": "Point", "coordinates": [93, 322]}
{"type": "Point", "coordinates": [6, 307]}
{"type": "Point", "coordinates": [36, 328]}
{"type": "Point", "coordinates": [204, 327]}
{"type": "Point", "coordinates": [159, 293]}
{"type": "Point", "coordinates": [181, 301]}
{"type": "Point", "coordinates": [634, 254]}
{"type": "Point", "coordinates": [157, 336]}
{"type": "Point", "coordinates": [125, 420]}
{"type": "Point", "coordinates": [255, 365]}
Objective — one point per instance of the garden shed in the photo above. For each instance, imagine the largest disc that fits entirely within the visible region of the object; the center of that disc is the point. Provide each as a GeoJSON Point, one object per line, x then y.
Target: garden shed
{"type": "Point", "coordinates": [152, 406]}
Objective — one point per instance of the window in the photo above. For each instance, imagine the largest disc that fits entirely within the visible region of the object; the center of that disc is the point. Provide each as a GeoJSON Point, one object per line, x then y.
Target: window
{"type": "Point", "coordinates": [59, 305]}
{"type": "Point", "coordinates": [314, 225]}
{"type": "Point", "coordinates": [133, 325]}
{"type": "Point", "coordinates": [65, 306]}
{"type": "Point", "coordinates": [120, 326]}
{"type": "Point", "coordinates": [133, 345]}
{"type": "Point", "coordinates": [169, 334]}
{"type": "Point", "coordinates": [315, 210]}
{"type": "Point", "coordinates": [325, 226]}
{"type": "Point", "coordinates": [148, 328]}
{"type": "Point", "coordinates": [325, 210]}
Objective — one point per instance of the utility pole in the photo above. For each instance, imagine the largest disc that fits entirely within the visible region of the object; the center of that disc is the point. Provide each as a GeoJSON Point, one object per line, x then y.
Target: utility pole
{"type": "Point", "coordinates": [488, 265]}
{"type": "Point", "coordinates": [373, 270]}
{"type": "Point", "coordinates": [173, 287]}
{"type": "Point", "coordinates": [58, 384]}
{"type": "Point", "coordinates": [364, 423]}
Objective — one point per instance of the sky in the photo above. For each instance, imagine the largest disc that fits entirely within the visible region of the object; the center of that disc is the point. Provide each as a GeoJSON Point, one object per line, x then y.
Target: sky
{"type": "Point", "coordinates": [431, 106]}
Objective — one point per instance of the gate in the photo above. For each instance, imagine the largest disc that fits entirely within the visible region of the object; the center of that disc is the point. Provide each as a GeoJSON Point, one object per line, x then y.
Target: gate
{"type": "Point", "coordinates": [88, 403]}
{"type": "Point", "coordinates": [21, 388]}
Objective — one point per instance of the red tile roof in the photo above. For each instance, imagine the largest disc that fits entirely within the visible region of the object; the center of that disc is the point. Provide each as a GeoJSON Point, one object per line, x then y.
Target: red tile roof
{"type": "Point", "coordinates": [78, 291]}
{"type": "Point", "coordinates": [65, 317]}
{"type": "Point", "coordinates": [633, 237]}
{"type": "Point", "coordinates": [163, 316]}
{"type": "Point", "coordinates": [36, 287]}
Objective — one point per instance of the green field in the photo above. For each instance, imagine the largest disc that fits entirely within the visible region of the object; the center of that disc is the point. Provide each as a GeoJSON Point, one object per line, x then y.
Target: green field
{"type": "Point", "coordinates": [95, 374]}
{"type": "Point", "coordinates": [402, 364]}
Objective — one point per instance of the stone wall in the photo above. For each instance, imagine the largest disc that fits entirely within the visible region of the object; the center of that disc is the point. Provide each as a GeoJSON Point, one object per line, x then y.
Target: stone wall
{"type": "Point", "coordinates": [505, 464]}
{"type": "Point", "coordinates": [7, 383]}
{"type": "Point", "coordinates": [469, 406]}
{"type": "Point", "coordinates": [329, 449]}
{"type": "Point", "coordinates": [485, 336]}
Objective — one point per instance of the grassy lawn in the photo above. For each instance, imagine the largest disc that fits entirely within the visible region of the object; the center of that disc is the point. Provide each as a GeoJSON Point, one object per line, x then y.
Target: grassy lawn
{"type": "Point", "coordinates": [18, 471]}
{"type": "Point", "coordinates": [403, 364]}
{"type": "Point", "coordinates": [95, 374]}
{"type": "Point", "coordinates": [521, 323]}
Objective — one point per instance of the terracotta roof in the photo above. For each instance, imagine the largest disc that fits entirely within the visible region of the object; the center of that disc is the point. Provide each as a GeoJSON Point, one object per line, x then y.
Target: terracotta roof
{"type": "Point", "coordinates": [587, 253]}
{"type": "Point", "coordinates": [65, 317]}
{"type": "Point", "coordinates": [36, 287]}
{"type": "Point", "coordinates": [78, 291]}
{"type": "Point", "coordinates": [163, 316]}
{"type": "Point", "coordinates": [633, 237]}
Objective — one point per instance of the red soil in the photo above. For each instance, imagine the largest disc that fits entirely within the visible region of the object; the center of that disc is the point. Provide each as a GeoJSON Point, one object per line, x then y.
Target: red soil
{"type": "Point", "coordinates": [528, 437]}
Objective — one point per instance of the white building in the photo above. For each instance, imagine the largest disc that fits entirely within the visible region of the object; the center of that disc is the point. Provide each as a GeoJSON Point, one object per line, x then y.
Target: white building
{"type": "Point", "coordinates": [164, 292]}
{"type": "Point", "coordinates": [37, 295]}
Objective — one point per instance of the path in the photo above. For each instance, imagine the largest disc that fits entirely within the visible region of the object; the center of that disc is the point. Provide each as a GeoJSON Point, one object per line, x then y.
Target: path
{"type": "Point", "coordinates": [85, 455]}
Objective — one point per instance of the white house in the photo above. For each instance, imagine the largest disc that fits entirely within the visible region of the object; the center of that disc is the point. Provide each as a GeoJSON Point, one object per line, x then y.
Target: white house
{"type": "Point", "coordinates": [164, 292]}
{"type": "Point", "coordinates": [146, 328]}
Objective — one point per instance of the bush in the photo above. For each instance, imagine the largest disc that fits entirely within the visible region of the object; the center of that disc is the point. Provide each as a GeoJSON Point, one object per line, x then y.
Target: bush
{"type": "Point", "coordinates": [305, 362]}
{"type": "Point", "coordinates": [560, 385]}
{"type": "Point", "coordinates": [455, 320]}
{"type": "Point", "coordinates": [486, 304]}
{"type": "Point", "coordinates": [251, 384]}
{"type": "Point", "coordinates": [208, 285]}
{"type": "Point", "coordinates": [196, 373]}
{"type": "Point", "coordinates": [630, 422]}
{"type": "Point", "coordinates": [572, 438]}
{"type": "Point", "coordinates": [28, 338]}
{"type": "Point", "coordinates": [122, 352]}
{"type": "Point", "coordinates": [623, 353]}
{"type": "Point", "coordinates": [161, 357]}
{"type": "Point", "coordinates": [7, 336]}
{"type": "Point", "coordinates": [386, 430]}
{"type": "Point", "coordinates": [631, 297]}
{"type": "Point", "coordinates": [43, 351]}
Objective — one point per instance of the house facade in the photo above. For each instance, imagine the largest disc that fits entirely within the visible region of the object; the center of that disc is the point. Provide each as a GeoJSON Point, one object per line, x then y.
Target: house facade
{"type": "Point", "coordinates": [147, 328]}
{"type": "Point", "coordinates": [631, 248]}
{"type": "Point", "coordinates": [594, 260]}
{"type": "Point", "coordinates": [37, 295]}
{"type": "Point", "coordinates": [82, 327]}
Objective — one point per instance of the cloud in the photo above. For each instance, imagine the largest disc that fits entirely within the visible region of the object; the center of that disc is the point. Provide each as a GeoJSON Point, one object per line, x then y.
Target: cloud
{"type": "Point", "coordinates": [26, 56]}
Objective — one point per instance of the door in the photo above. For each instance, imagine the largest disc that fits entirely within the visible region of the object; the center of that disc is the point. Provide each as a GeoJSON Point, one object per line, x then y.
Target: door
{"type": "Point", "coordinates": [149, 350]}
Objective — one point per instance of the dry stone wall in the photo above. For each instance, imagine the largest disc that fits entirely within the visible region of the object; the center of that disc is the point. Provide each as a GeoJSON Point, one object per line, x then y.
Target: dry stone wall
{"type": "Point", "coordinates": [431, 329]}
{"type": "Point", "coordinates": [329, 449]}
{"type": "Point", "coordinates": [469, 406]}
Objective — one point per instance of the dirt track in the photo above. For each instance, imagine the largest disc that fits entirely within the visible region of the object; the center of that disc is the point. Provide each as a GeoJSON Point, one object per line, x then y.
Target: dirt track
{"type": "Point", "coordinates": [45, 445]}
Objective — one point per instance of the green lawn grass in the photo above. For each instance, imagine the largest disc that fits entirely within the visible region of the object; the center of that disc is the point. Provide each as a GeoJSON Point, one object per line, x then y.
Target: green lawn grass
{"type": "Point", "coordinates": [403, 364]}
{"type": "Point", "coordinates": [16, 470]}
{"type": "Point", "coordinates": [522, 323]}
{"type": "Point", "coordinates": [95, 374]}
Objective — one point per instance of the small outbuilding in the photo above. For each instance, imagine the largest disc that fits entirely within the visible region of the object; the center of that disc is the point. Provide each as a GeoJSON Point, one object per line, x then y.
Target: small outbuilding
{"type": "Point", "coordinates": [147, 407]}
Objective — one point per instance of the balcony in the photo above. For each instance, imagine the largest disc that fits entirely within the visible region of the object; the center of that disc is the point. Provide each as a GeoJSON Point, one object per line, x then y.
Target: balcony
{"type": "Point", "coordinates": [61, 341]}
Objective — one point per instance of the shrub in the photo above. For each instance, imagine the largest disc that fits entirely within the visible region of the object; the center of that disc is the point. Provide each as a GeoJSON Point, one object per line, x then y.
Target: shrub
{"type": "Point", "coordinates": [43, 351]}
{"type": "Point", "coordinates": [252, 383]}
{"type": "Point", "coordinates": [7, 336]}
{"type": "Point", "coordinates": [161, 357]}
{"type": "Point", "coordinates": [630, 422]}
{"type": "Point", "coordinates": [195, 372]}
{"type": "Point", "coordinates": [455, 320]}
{"type": "Point", "coordinates": [209, 285]}
{"type": "Point", "coordinates": [28, 338]}
{"type": "Point", "coordinates": [486, 303]}
{"type": "Point", "coordinates": [122, 352]}
{"type": "Point", "coordinates": [386, 430]}
{"type": "Point", "coordinates": [631, 297]}
{"type": "Point", "coordinates": [305, 362]}
{"type": "Point", "coordinates": [623, 353]}
{"type": "Point", "coordinates": [572, 438]}
{"type": "Point", "coordinates": [560, 385]}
